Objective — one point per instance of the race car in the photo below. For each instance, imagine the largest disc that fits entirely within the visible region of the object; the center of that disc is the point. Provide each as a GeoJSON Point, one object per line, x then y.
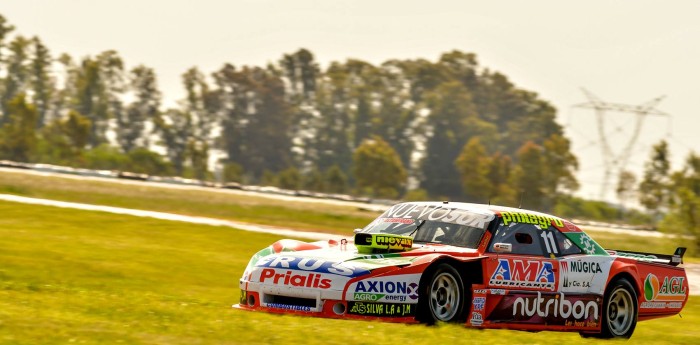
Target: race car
{"type": "Point", "coordinates": [481, 265]}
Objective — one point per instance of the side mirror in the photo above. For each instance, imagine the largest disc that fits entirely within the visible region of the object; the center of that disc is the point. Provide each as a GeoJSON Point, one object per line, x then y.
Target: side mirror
{"type": "Point", "coordinates": [502, 247]}
{"type": "Point", "coordinates": [356, 231]}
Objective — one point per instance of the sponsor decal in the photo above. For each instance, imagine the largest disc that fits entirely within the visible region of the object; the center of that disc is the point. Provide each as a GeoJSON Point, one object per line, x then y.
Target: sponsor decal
{"type": "Point", "coordinates": [587, 244]}
{"type": "Point", "coordinates": [635, 255]}
{"type": "Point", "coordinates": [375, 290]}
{"type": "Point", "coordinates": [570, 270]}
{"type": "Point", "coordinates": [669, 293]}
{"type": "Point", "coordinates": [244, 298]}
{"type": "Point", "coordinates": [288, 307]}
{"type": "Point", "coordinates": [310, 264]}
{"type": "Point", "coordinates": [556, 304]}
{"type": "Point", "coordinates": [587, 274]}
{"type": "Point", "coordinates": [479, 291]}
{"type": "Point", "coordinates": [479, 303]}
{"type": "Point", "coordinates": [662, 305]}
{"type": "Point", "coordinates": [520, 217]}
{"type": "Point", "coordinates": [393, 242]}
{"type": "Point", "coordinates": [571, 227]}
{"type": "Point", "coordinates": [367, 296]}
{"type": "Point", "coordinates": [290, 278]}
{"type": "Point", "coordinates": [524, 274]}
{"type": "Point", "coordinates": [576, 311]}
{"type": "Point", "coordinates": [585, 267]}
{"type": "Point", "coordinates": [440, 213]}
{"type": "Point", "coordinates": [498, 291]}
{"type": "Point", "coordinates": [381, 309]}
{"type": "Point", "coordinates": [477, 319]}
{"type": "Point", "coordinates": [398, 220]}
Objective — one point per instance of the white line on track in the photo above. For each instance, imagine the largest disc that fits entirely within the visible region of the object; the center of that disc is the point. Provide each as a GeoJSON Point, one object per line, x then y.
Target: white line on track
{"type": "Point", "coordinates": [172, 217]}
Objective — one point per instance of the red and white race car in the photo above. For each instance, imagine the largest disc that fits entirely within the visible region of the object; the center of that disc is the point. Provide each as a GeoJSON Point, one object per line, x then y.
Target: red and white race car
{"type": "Point", "coordinates": [486, 266]}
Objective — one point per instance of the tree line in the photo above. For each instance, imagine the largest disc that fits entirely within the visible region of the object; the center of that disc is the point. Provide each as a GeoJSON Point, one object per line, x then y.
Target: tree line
{"type": "Point", "coordinates": [447, 128]}
{"type": "Point", "coordinates": [415, 129]}
{"type": "Point", "coordinates": [671, 197]}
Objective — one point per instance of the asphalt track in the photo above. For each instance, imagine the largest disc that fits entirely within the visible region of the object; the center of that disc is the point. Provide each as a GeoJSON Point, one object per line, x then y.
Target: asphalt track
{"type": "Point", "coordinates": [692, 270]}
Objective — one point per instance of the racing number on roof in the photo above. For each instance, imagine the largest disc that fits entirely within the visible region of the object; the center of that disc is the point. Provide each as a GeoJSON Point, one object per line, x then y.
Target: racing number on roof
{"type": "Point", "coordinates": [528, 238]}
{"type": "Point", "coordinates": [549, 242]}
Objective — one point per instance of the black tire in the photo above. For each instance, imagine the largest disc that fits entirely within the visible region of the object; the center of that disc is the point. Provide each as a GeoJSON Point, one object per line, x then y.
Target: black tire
{"type": "Point", "coordinates": [619, 310]}
{"type": "Point", "coordinates": [442, 296]}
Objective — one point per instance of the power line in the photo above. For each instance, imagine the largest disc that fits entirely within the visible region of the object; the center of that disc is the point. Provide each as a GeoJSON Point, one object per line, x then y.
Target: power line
{"type": "Point", "coordinates": [617, 162]}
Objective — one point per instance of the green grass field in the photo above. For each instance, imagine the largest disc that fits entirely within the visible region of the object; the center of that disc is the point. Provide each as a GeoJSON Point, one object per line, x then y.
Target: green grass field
{"type": "Point", "coordinates": [69, 276]}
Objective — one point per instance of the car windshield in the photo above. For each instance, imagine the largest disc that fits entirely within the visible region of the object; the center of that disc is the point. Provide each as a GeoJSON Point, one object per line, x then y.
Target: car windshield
{"type": "Point", "coordinates": [427, 231]}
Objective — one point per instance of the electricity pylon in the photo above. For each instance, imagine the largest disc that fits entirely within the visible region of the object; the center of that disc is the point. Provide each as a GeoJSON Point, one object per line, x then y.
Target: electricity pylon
{"type": "Point", "coordinates": [616, 163]}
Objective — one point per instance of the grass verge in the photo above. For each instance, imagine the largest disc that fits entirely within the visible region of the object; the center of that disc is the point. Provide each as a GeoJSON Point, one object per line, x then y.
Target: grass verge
{"type": "Point", "coordinates": [221, 204]}
{"type": "Point", "coordinates": [70, 276]}
{"type": "Point", "coordinates": [254, 209]}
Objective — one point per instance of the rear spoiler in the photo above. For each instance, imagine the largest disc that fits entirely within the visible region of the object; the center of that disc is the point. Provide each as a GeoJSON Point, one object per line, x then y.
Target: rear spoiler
{"type": "Point", "coordinates": [674, 260]}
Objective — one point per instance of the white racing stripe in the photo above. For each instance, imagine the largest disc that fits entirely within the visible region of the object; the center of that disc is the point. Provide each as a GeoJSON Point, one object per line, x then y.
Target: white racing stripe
{"type": "Point", "coordinates": [173, 217]}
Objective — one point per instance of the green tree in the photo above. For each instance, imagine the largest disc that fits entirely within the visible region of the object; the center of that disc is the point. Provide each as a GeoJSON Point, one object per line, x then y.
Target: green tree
{"type": "Point", "coordinates": [499, 174]}
{"type": "Point", "coordinates": [395, 112]}
{"type": "Point", "coordinates": [17, 79]}
{"type": "Point", "coordinates": [655, 184]}
{"type": "Point", "coordinates": [332, 141]}
{"type": "Point", "coordinates": [106, 157]}
{"type": "Point", "coordinates": [63, 140]}
{"type": "Point", "coordinates": [257, 119]}
{"type": "Point", "coordinates": [18, 137]}
{"type": "Point", "coordinates": [314, 180]}
{"type": "Point", "coordinates": [626, 187]}
{"type": "Point", "coordinates": [201, 104]}
{"type": "Point", "coordinates": [416, 195]}
{"type": "Point", "coordinates": [378, 168]}
{"type": "Point", "coordinates": [268, 178]}
{"type": "Point", "coordinates": [175, 130]}
{"type": "Point", "coordinates": [112, 80]}
{"type": "Point", "coordinates": [301, 70]}
{"type": "Point", "coordinates": [42, 83]}
{"type": "Point", "coordinates": [233, 172]}
{"type": "Point", "coordinates": [289, 178]}
{"type": "Point", "coordinates": [473, 165]}
{"type": "Point", "coordinates": [559, 175]}
{"type": "Point", "coordinates": [197, 154]}
{"type": "Point", "coordinates": [684, 201]}
{"type": "Point", "coordinates": [89, 99]}
{"type": "Point", "coordinates": [528, 176]}
{"type": "Point", "coordinates": [336, 180]}
{"type": "Point", "coordinates": [132, 123]}
{"type": "Point", "coordinates": [5, 29]}
{"type": "Point", "coordinates": [454, 121]}
{"type": "Point", "coordinates": [99, 87]}
{"type": "Point", "coordinates": [141, 160]}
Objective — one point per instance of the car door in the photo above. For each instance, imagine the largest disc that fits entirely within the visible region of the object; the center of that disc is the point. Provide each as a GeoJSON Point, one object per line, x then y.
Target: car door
{"type": "Point", "coordinates": [521, 257]}
{"type": "Point", "coordinates": [523, 275]}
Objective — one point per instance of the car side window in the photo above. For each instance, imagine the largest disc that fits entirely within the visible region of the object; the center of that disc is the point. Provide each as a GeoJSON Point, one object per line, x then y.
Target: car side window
{"type": "Point", "coordinates": [566, 247]}
{"type": "Point", "coordinates": [524, 239]}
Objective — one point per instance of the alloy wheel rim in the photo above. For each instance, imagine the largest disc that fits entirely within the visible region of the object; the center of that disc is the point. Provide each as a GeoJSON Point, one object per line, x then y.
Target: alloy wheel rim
{"type": "Point", "coordinates": [444, 296]}
{"type": "Point", "coordinates": [620, 312]}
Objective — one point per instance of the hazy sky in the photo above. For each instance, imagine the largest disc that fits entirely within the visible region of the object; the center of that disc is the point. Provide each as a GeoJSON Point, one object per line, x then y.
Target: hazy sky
{"type": "Point", "coordinates": [623, 51]}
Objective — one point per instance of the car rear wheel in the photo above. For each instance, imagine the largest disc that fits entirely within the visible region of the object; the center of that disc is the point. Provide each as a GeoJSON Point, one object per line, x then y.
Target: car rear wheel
{"type": "Point", "coordinates": [619, 310]}
{"type": "Point", "coordinates": [443, 296]}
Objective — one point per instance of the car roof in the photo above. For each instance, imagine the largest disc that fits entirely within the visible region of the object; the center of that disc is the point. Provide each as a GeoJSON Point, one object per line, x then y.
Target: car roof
{"type": "Point", "coordinates": [482, 208]}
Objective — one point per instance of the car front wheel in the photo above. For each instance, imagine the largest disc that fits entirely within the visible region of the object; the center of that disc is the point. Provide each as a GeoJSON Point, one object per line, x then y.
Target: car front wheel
{"type": "Point", "coordinates": [443, 295]}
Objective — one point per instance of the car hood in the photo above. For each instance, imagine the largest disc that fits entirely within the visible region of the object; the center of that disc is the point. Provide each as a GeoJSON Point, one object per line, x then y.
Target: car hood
{"type": "Point", "coordinates": [330, 267]}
